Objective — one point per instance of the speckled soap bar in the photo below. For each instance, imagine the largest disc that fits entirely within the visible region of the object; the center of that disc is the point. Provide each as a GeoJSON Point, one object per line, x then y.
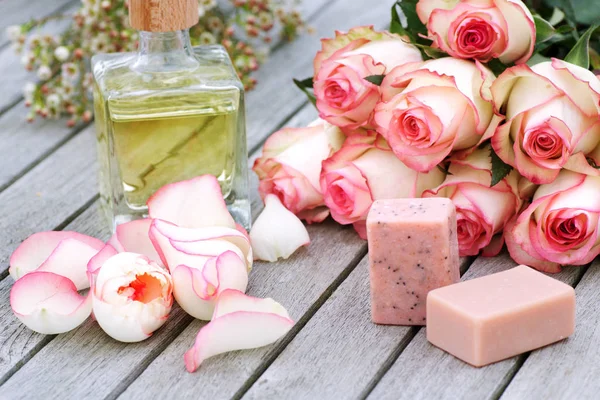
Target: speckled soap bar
{"type": "Point", "coordinates": [413, 249]}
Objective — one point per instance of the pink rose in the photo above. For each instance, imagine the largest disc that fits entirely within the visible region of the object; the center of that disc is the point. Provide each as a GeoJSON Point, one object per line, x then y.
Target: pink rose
{"type": "Point", "coordinates": [560, 226]}
{"type": "Point", "coordinates": [481, 211]}
{"type": "Point", "coordinates": [427, 113]}
{"type": "Point", "coordinates": [552, 119]}
{"type": "Point", "coordinates": [344, 97]}
{"type": "Point", "coordinates": [480, 29]}
{"type": "Point", "coordinates": [364, 170]}
{"type": "Point", "coordinates": [290, 167]}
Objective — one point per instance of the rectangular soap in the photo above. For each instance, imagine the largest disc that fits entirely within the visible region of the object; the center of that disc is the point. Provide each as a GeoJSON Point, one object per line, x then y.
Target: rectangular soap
{"type": "Point", "coordinates": [413, 249]}
{"type": "Point", "coordinates": [498, 316]}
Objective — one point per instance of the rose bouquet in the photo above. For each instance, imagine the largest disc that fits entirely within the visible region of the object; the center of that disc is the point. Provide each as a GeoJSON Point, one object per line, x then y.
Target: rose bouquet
{"type": "Point", "coordinates": [464, 99]}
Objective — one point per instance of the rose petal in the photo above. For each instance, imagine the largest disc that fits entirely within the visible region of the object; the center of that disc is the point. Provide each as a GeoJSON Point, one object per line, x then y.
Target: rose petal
{"type": "Point", "coordinates": [196, 291]}
{"type": "Point", "coordinates": [49, 303]}
{"type": "Point", "coordinates": [277, 232]}
{"type": "Point", "coordinates": [239, 322]}
{"type": "Point", "coordinates": [134, 238]}
{"type": "Point", "coordinates": [69, 260]}
{"type": "Point", "coordinates": [194, 203]}
{"type": "Point", "coordinates": [96, 262]}
{"type": "Point", "coordinates": [170, 240]}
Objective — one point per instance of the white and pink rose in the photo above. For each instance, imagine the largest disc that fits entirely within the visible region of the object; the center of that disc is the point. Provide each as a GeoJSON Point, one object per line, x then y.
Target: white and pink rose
{"type": "Point", "coordinates": [552, 119]}
{"type": "Point", "coordinates": [560, 226]}
{"type": "Point", "coordinates": [482, 211]}
{"type": "Point", "coordinates": [443, 106]}
{"type": "Point", "coordinates": [480, 29]}
{"type": "Point", "coordinates": [290, 167]}
{"type": "Point", "coordinates": [364, 170]}
{"type": "Point", "coordinates": [344, 97]}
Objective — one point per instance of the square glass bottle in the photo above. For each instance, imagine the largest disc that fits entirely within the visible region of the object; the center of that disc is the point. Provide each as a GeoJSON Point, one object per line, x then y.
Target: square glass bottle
{"type": "Point", "coordinates": [168, 113]}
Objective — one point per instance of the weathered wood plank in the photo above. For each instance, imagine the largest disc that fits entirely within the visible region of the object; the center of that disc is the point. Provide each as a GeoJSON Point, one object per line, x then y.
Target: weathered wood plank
{"type": "Point", "coordinates": [18, 11]}
{"type": "Point", "coordinates": [339, 352]}
{"type": "Point", "coordinates": [569, 369]}
{"type": "Point", "coordinates": [423, 371]}
{"type": "Point", "coordinates": [48, 194]}
{"type": "Point", "coordinates": [278, 94]}
{"type": "Point", "coordinates": [23, 145]}
{"type": "Point", "coordinates": [300, 283]}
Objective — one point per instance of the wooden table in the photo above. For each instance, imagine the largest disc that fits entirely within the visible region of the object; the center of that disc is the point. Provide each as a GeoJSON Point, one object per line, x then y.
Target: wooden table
{"type": "Point", "coordinates": [48, 181]}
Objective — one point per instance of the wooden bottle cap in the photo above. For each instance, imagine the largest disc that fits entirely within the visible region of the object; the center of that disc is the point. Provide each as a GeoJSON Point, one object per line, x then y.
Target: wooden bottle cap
{"type": "Point", "coordinates": [163, 15]}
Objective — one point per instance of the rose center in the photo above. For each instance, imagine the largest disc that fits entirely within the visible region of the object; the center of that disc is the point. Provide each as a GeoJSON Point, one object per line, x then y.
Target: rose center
{"type": "Point", "coordinates": [476, 36]}
{"type": "Point", "coordinates": [568, 231]}
{"type": "Point", "coordinates": [144, 289]}
{"type": "Point", "coordinates": [341, 198]}
{"type": "Point", "coordinates": [542, 143]}
{"type": "Point", "coordinates": [335, 94]}
{"type": "Point", "coordinates": [412, 130]}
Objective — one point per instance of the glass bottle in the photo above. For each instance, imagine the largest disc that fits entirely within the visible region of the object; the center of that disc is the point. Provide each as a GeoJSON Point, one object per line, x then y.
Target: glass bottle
{"type": "Point", "coordinates": [168, 113]}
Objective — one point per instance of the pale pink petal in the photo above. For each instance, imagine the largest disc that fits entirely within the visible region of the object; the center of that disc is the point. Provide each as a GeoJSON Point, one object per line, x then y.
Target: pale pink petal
{"type": "Point", "coordinates": [96, 262]}
{"type": "Point", "coordinates": [277, 232]}
{"type": "Point", "coordinates": [315, 215]}
{"type": "Point", "coordinates": [239, 322]}
{"type": "Point", "coordinates": [195, 292]}
{"type": "Point", "coordinates": [134, 238]}
{"type": "Point", "coordinates": [35, 250]}
{"type": "Point", "coordinates": [49, 303]}
{"type": "Point", "coordinates": [494, 247]}
{"type": "Point", "coordinates": [194, 203]}
{"type": "Point", "coordinates": [174, 243]}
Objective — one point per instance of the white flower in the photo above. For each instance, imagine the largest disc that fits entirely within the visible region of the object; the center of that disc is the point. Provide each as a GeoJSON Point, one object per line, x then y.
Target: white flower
{"type": "Point", "coordinates": [105, 4]}
{"type": "Point", "coordinates": [53, 101]}
{"type": "Point", "coordinates": [13, 32]}
{"type": "Point", "coordinates": [44, 72]}
{"type": "Point", "coordinates": [28, 89]}
{"type": "Point", "coordinates": [201, 11]}
{"type": "Point", "coordinates": [26, 58]}
{"type": "Point", "coordinates": [61, 53]}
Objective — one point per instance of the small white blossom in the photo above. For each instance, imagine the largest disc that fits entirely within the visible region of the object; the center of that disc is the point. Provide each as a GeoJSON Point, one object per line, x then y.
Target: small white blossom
{"type": "Point", "coordinates": [13, 32]}
{"type": "Point", "coordinates": [61, 53]}
{"type": "Point", "coordinates": [44, 72]}
{"type": "Point", "coordinates": [26, 58]}
{"type": "Point", "coordinates": [105, 4]}
{"type": "Point", "coordinates": [53, 101]}
{"type": "Point", "coordinates": [28, 91]}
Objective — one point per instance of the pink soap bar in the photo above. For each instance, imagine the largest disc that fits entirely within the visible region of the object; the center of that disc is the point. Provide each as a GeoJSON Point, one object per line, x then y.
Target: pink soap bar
{"type": "Point", "coordinates": [498, 316]}
{"type": "Point", "coordinates": [413, 249]}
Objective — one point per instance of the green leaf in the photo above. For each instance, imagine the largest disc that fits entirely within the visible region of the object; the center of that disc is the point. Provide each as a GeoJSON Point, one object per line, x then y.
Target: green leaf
{"type": "Point", "coordinates": [497, 67]}
{"type": "Point", "coordinates": [557, 16]}
{"type": "Point", "coordinates": [396, 24]}
{"type": "Point", "coordinates": [543, 29]}
{"type": "Point", "coordinates": [536, 59]}
{"type": "Point", "coordinates": [375, 79]}
{"type": "Point", "coordinates": [305, 85]}
{"type": "Point", "coordinates": [580, 53]}
{"type": "Point", "coordinates": [499, 168]}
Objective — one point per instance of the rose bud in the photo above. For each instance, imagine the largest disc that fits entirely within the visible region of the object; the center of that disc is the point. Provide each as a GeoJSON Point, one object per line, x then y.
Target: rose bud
{"type": "Point", "coordinates": [481, 211]}
{"type": "Point", "coordinates": [132, 297]}
{"type": "Point", "coordinates": [552, 119]}
{"type": "Point", "coordinates": [560, 227]}
{"type": "Point", "coordinates": [61, 252]}
{"type": "Point", "coordinates": [344, 97]}
{"type": "Point", "coordinates": [473, 29]}
{"type": "Point", "coordinates": [443, 106]}
{"type": "Point", "coordinates": [365, 170]}
{"type": "Point", "coordinates": [286, 170]}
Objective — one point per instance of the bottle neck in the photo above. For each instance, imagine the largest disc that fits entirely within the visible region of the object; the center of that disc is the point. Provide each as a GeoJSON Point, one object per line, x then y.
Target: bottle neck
{"type": "Point", "coordinates": [165, 51]}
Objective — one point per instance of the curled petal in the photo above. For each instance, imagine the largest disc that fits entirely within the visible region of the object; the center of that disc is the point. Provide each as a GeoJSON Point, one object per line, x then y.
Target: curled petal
{"type": "Point", "coordinates": [277, 232]}
{"type": "Point", "coordinates": [48, 303]}
{"type": "Point", "coordinates": [64, 253]}
{"type": "Point", "coordinates": [96, 262]}
{"type": "Point", "coordinates": [194, 203]}
{"type": "Point", "coordinates": [174, 244]}
{"type": "Point", "coordinates": [196, 290]}
{"type": "Point", "coordinates": [133, 237]}
{"type": "Point", "coordinates": [239, 322]}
